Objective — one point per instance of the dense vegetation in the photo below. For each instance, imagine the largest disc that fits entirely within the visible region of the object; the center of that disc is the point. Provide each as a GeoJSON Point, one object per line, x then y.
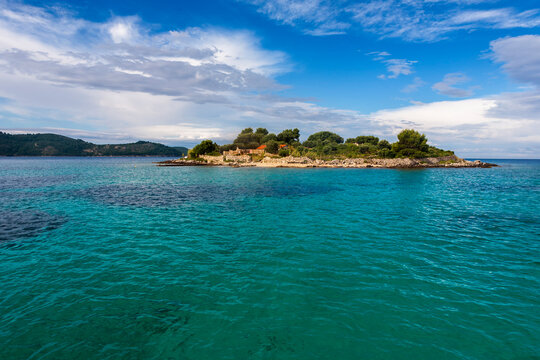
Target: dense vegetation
{"type": "Point", "coordinates": [206, 147]}
{"type": "Point", "coordinates": [326, 145]}
{"type": "Point", "coordinates": [58, 145]}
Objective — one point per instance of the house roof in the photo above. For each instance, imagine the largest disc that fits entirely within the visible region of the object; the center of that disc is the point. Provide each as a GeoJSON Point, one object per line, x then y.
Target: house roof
{"type": "Point", "coordinates": [282, 145]}
{"type": "Point", "coordinates": [262, 147]}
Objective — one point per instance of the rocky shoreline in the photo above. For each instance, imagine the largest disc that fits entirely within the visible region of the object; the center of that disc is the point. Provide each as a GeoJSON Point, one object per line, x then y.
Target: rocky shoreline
{"type": "Point", "coordinates": [305, 162]}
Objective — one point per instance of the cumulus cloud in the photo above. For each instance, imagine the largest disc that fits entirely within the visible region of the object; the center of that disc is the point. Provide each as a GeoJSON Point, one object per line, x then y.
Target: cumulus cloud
{"type": "Point", "coordinates": [412, 20]}
{"type": "Point", "coordinates": [447, 85]}
{"type": "Point", "coordinates": [193, 63]}
{"type": "Point", "coordinates": [499, 126]}
{"type": "Point", "coordinates": [116, 77]}
{"type": "Point", "coordinates": [123, 30]}
{"type": "Point", "coordinates": [117, 81]}
{"type": "Point", "coordinates": [520, 57]}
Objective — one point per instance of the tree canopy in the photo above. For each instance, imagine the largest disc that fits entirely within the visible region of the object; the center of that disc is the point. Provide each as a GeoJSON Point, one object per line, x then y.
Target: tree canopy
{"type": "Point", "coordinates": [206, 147]}
{"type": "Point", "coordinates": [325, 136]}
{"type": "Point", "coordinates": [289, 136]}
{"type": "Point", "coordinates": [326, 144]}
{"type": "Point", "coordinates": [411, 143]}
{"type": "Point", "coordinates": [373, 140]}
{"type": "Point", "coordinates": [248, 139]}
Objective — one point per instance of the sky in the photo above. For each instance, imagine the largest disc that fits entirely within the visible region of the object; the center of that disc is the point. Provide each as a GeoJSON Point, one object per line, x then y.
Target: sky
{"type": "Point", "coordinates": [464, 72]}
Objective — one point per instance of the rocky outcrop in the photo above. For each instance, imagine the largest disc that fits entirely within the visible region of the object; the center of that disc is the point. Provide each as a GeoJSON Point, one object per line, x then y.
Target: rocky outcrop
{"type": "Point", "coordinates": [182, 162]}
{"type": "Point", "coordinates": [305, 162]}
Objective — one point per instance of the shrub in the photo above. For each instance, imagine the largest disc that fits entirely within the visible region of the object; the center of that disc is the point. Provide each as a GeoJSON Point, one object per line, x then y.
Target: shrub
{"type": "Point", "coordinates": [387, 153]}
{"type": "Point", "coordinates": [366, 148]}
{"type": "Point", "coordinates": [284, 152]}
{"type": "Point", "coordinates": [328, 149]}
{"type": "Point", "coordinates": [301, 150]}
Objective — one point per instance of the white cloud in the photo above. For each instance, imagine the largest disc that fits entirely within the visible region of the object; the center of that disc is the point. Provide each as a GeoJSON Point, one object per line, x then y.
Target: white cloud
{"type": "Point", "coordinates": [447, 85]}
{"type": "Point", "coordinates": [398, 67]}
{"type": "Point", "coordinates": [318, 17]}
{"type": "Point", "coordinates": [412, 20]}
{"type": "Point", "coordinates": [500, 126]}
{"type": "Point", "coordinates": [171, 86]}
{"type": "Point", "coordinates": [520, 57]}
{"type": "Point", "coordinates": [123, 30]}
{"type": "Point", "coordinates": [184, 85]}
{"type": "Point", "coordinates": [395, 67]}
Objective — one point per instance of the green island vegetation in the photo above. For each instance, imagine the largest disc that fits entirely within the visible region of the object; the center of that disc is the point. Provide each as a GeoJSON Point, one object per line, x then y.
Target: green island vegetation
{"type": "Point", "coordinates": [323, 145]}
{"type": "Point", "coordinates": [58, 145]}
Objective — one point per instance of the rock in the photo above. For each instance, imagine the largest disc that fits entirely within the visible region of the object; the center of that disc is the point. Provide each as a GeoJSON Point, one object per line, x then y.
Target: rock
{"type": "Point", "coordinates": [290, 161]}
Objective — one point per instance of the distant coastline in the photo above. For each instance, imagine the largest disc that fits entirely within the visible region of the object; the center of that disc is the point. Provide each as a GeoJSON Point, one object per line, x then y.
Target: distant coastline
{"type": "Point", "coordinates": [53, 145]}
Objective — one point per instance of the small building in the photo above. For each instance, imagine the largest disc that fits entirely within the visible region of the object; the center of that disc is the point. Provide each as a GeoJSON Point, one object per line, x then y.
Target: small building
{"type": "Point", "coordinates": [237, 152]}
{"type": "Point", "coordinates": [258, 151]}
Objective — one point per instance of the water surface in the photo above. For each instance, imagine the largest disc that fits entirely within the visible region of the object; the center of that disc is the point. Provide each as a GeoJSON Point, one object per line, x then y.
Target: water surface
{"type": "Point", "coordinates": [116, 258]}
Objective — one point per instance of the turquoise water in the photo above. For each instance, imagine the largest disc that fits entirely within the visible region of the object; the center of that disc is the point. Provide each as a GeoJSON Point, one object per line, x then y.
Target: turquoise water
{"type": "Point", "coordinates": [117, 258]}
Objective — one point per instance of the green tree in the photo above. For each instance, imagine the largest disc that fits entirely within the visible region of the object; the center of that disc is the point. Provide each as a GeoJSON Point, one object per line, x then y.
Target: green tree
{"type": "Point", "coordinates": [247, 139]}
{"type": "Point", "coordinates": [206, 147]}
{"type": "Point", "coordinates": [261, 131]}
{"type": "Point", "coordinates": [272, 147]}
{"type": "Point", "coordinates": [384, 144]}
{"type": "Point", "coordinates": [289, 135]}
{"type": "Point", "coordinates": [373, 140]}
{"type": "Point", "coordinates": [227, 147]}
{"type": "Point", "coordinates": [266, 138]}
{"type": "Point", "coordinates": [325, 136]}
{"type": "Point", "coordinates": [411, 143]}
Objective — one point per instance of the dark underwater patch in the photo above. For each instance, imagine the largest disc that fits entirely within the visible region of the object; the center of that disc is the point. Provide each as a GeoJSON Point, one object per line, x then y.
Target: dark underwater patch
{"type": "Point", "coordinates": [146, 195]}
{"type": "Point", "coordinates": [15, 225]}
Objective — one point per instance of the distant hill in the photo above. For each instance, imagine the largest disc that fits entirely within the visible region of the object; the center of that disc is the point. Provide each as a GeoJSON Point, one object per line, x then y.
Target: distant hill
{"type": "Point", "coordinates": [58, 145]}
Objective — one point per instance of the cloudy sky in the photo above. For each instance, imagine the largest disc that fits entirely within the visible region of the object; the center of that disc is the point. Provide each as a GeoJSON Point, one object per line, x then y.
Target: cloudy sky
{"type": "Point", "coordinates": [464, 72]}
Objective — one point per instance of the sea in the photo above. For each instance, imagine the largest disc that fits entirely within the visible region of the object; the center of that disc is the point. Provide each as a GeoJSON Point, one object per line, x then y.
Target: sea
{"type": "Point", "coordinates": [117, 258]}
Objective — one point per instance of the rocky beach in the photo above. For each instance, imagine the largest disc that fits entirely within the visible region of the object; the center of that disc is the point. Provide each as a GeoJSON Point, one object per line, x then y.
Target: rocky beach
{"type": "Point", "coordinates": [305, 162]}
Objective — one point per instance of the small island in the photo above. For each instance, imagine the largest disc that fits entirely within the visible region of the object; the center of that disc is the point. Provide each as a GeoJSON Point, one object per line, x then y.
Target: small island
{"type": "Point", "coordinates": [260, 148]}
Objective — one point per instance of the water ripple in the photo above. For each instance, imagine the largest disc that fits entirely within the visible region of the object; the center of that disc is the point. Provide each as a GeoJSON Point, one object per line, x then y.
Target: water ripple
{"type": "Point", "coordinates": [16, 225]}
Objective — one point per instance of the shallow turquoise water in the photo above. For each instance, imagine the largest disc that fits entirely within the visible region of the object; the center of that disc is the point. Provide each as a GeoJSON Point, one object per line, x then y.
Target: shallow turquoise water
{"type": "Point", "coordinates": [117, 258]}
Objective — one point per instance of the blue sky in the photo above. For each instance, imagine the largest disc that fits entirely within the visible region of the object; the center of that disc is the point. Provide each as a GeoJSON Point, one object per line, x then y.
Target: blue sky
{"type": "Point", "coordinates": [465, 72]}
